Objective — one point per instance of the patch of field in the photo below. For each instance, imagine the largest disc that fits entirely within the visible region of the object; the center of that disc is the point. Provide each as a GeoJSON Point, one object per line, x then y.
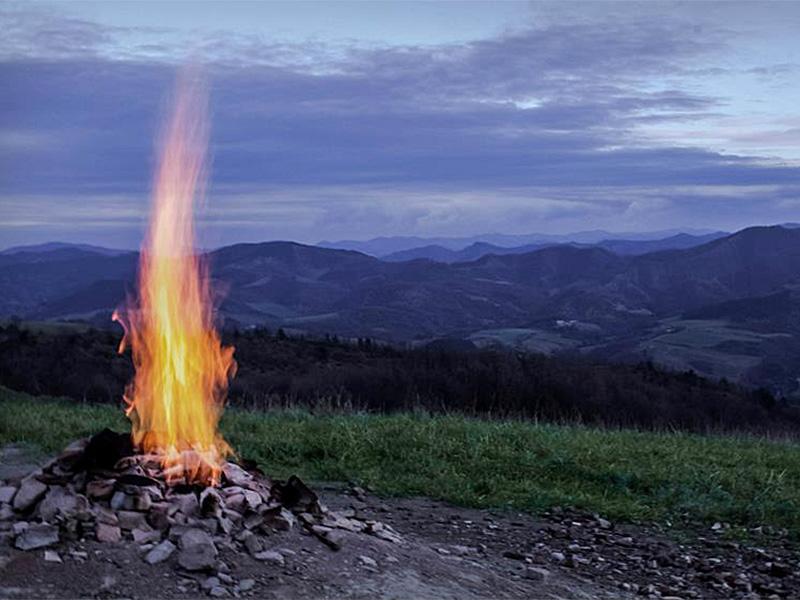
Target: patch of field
{"type": "Point", "coordinates": [713, 348]}
{"type": "Point", "coordinates": [530, 340]}
{"type": "Point", "coordinates": [625, 475]}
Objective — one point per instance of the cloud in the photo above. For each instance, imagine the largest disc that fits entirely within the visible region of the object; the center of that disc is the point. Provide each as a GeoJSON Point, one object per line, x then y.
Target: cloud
{"type": "Point", "coordinates": [535, 128]}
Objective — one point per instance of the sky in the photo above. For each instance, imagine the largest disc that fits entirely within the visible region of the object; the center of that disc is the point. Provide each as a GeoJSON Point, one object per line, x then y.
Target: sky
{"type": "Point", "coordinates": [351, 120]}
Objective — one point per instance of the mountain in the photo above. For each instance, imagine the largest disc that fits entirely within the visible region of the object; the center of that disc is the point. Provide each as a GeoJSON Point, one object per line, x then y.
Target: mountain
{"type": "Point", "coordinates": [383, 246]}
{"type": "Point", "coordinates": [700, 308]}
{"type": "Point", "coordinates": [63, 246]}
{"type": "Point", "coordinates": [618, 246]}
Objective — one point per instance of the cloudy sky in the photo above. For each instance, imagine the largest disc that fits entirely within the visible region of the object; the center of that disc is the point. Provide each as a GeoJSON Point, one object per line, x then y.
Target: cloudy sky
{"type": "Point", "coordinates": [353, 120]}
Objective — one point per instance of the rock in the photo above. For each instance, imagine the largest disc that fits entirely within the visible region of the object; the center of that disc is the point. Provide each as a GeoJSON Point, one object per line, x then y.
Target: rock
{"type": "Point", "coordinates": [236, 475]}
{"type": "Point", "coordinates": [331, 537]}
{"type": "Point", "coordinates": [129, 519]}
{"type": "Point", "coordinates": [38, 535]}
{"type": "Point", "coordinates": [160, 553]}
{"type": "Point", "coordinates": [120, 501]}
{"type": "Point", "coordinates": [536, 574]}
{"type": "Point", "coordinates": [211, 503]}
{"type": "Point", "coordinates": [100, 489]}
{"type": "Point", "coordinates": [209, 583]}
{"type": "Point", "coordinates": [218, 592]}
{"type": "Point", "coordinates": [7, 493]}
{"type": "Point", "coordinates": [198, 551]}
{"type": "Point", "coordinates": [104, 515]}
{"type": "Point", "coordinates": [367, 561]}
{"type": "Point", "coordinates": [108, 533]}
{"type": "Point", "coordinates": [29, 493]}
{"type": "Point", "coordinates": [252, 543]}
{"type": "Point", "coordinates": [6, 512]}
{"type": "Point", "coordinates": [141, 536]}
{"type": "Point", "coordinates": [52, 556]}
{"type": "Point", "coordinates": [514, 555]}
{"type": "Point", "coordinates": [60, 501]}
{"type": "Point", "coordinates": [245, 585]}
{"type": "Point", "coordinates": [283, 520]}
{"type": "Point", "coordinates": [186, 503]}
{"type": "Point", "coordinates": [558, 557]}
{"type": "Point", "coordinates": [271, 556]}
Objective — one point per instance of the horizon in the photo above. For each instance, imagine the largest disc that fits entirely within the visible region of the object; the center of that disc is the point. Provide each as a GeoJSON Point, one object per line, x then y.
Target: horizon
{"type": "Point", "coordinates": [655, 235]}
{"type": "Point", "coordinates": [367, 120]}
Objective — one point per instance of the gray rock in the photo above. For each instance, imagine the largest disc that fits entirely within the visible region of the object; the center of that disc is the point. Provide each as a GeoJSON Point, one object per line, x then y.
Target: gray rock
{"type": "Point", "coordinates": [198, 551]}
{"type": "Point", "coordinates": [52, 556]}
{"type": "Point", "coordinates": [108, 533]}
{"type": "Point", "coordinates": [536, 574]}
{"type": "Point", "coordinates": [236, 475]}
{"type": "Point", "coordinates": [60, 501]}
{"type": "Point", "coordinates": [29, 493]}
{"type": "Point", "coordinates": [141, 536]}
{"type": "Point", "coordinates": [209, 583]}
{"type": "Point", "coordinates": [271, 556]}
{"type": "Point", "coordinates": [245, 585]}
{"type": "Point", "coordinates": [367, 561]}
{"type": "Point", "coordinates": [160, 553]}
{"type": "Point", "coordinates": [218, 592]}
{"type": "Point", "coordinates": [129, 519]}
{"type": "Point", "coordinates": [6, 512]}
{"type": "Point", "coordinates": [7, 493]}
{"type": "Point", "coordinates": [38, 535]}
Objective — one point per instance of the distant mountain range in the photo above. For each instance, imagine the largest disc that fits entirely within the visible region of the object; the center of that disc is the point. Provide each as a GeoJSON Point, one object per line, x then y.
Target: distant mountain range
{"type": "Point", "coordinates": [690, 304]}
{"type": "Point", "coordinates": [385, 246]}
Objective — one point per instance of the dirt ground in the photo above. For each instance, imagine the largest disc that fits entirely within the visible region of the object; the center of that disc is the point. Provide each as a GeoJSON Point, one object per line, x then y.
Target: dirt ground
{"type": "Point", "coordinates": [446, 552]}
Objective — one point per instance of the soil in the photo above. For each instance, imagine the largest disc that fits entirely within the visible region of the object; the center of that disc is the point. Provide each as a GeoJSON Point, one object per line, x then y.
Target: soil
{"type": "Point", "coordinates": [447, 552]}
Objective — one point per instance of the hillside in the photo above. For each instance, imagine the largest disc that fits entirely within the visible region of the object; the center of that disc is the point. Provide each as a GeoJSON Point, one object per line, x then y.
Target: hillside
{"type": "Point", "coordinates": [588, 297]}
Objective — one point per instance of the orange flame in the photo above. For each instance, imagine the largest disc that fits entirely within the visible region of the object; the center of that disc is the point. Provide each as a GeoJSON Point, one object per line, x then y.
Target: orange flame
{"type": "Point", "coordinates": [182, 370]}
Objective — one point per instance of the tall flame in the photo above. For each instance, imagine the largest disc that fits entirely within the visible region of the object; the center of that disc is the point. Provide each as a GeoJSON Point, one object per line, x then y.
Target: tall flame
{"type": "Point", "coordinates": [182, 370]}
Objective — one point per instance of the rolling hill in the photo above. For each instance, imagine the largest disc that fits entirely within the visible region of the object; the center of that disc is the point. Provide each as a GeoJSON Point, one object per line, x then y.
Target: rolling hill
{"type": "Point", "coordinates": [596, 299]}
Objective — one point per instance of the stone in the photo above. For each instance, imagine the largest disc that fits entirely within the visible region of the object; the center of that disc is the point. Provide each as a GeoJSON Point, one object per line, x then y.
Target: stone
{"type": "Point", "coordinates": [30, 491]}
{"type": "Point", "coordinates": [218, 592]}
{"type": "Point", "coordinates": [6, 512]}
{"type": "Point", "coordinates": [129, 519]}
{"type": "Point", "coordinates": [236, 475]}
{"type": "Point", "coordinates": [271, 556]}
{"type": "Point", "coordinates": [104, 515]}
{"type": "Point", "coordinates": [245, 585]}
{"type": "Point", "coordinates": [37, 535]}
{"type": "Point", "coordinates": [186, 503]}
{"type": "Point", "coordinates": [141, 536]}
{"type": "Point", "coordinates": [60, 501]}
{"type": "Point", "coordinates": [160, 552]}
{"type": "Point", "coordinates": [100, 489]}
{"type": "Point", "coordinates": [7, 493]}
{"type": "Point", "coordinates": [210, 503]}
{"type": "Point", "coordinates": [252, 500]}
{"type": "Point", "coordinates": [536, 574]}
{"type": "Point", "coordinates": [157, 517]}
{"type": "Point", "coordinates": [252, 543]}
{"type": "Point", "coordinates": [282, 520]}
{"type": "Point", "coordinates": [367, 561]}
{"type": "Point", "coordinates": [254, 520]}
{"type": "Point", "coordinates": [197, 550]}
{"type": "Point", "coordinates": [52, 556]}
{"type": "Point", "coordinates": [108, 533]}
{"type": "Point", "coordinates": [121, 501]}
{"type": "Point", "coordinates": [332, 538]}
{"type": "Point", "coordinates": [210, 582]}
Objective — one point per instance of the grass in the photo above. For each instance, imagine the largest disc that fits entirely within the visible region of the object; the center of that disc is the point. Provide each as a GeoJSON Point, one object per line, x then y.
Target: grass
{"type": "Point", "coordinates": [625, 475]}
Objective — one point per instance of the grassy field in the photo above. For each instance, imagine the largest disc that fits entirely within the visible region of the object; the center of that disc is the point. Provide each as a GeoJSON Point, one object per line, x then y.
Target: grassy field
{"type": "Point", "coordinates": [621, 474]}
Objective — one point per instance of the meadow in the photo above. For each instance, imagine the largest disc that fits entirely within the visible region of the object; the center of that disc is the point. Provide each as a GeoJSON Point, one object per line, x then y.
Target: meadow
{"type": "Point", "coordinates": [676, 478]}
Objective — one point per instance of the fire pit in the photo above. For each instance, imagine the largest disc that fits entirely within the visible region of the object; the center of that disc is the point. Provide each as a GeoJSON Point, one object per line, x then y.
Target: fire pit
{"type": "Point", "coordinates": [169, 485]}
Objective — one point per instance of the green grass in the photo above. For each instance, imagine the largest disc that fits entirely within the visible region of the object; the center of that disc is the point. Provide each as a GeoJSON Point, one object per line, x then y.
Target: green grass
{"type": "Point", "coordinates": [624, 475]}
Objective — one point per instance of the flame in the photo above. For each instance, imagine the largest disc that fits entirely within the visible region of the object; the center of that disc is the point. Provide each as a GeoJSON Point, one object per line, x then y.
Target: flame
{"type": "Point", "coordinates": [182, 370]}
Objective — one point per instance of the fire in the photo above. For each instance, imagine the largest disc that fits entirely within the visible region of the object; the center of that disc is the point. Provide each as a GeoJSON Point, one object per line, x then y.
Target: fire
{"type": "Point", "coordinates": [182, 369]}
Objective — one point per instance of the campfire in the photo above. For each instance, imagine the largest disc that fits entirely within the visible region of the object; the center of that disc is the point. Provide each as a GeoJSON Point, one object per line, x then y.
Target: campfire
{"type": "Point", "coordinates": [171, 485]}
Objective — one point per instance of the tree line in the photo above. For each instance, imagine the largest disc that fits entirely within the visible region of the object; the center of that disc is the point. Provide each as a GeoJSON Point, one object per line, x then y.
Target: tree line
{"type": "Point", "coordinates": [278, 370]}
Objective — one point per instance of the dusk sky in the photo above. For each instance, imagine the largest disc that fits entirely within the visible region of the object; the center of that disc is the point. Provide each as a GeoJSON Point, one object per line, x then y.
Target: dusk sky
{"type": "Point", "coordinates": [355, 120]}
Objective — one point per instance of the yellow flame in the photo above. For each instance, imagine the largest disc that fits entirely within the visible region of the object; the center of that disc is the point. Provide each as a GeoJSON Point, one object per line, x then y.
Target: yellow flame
{"type": "Point", "coordinates": [182, 370]}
